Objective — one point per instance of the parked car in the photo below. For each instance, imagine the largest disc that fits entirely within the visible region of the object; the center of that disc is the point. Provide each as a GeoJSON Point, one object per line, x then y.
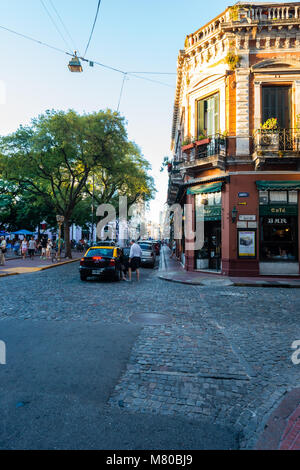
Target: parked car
{"type": "Point", "coordinates": [102, 261]}
{"type": "Point", "coordinates": [148, 253]}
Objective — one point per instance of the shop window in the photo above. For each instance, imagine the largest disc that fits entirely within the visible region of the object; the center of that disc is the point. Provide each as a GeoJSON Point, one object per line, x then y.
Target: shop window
{"type": "Point", "coordinates": [278, 196]}
{"type": "Point", "coordinates": [263, 197]}
{"type": "Point", "coordinates": [278, 238]}
{"type": "Point", "coordinates": [293, 197]}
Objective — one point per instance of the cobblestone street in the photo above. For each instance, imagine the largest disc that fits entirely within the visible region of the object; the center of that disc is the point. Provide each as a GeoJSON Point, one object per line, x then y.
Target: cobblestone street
{"type": "Point", "coordinates": [220, 355]}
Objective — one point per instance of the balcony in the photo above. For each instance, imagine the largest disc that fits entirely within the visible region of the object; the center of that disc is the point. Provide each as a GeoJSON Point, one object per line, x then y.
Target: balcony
{"type": "Point", "coordinates": [276, 146]}
{"type": "Point", "coordinates": [206, 153]}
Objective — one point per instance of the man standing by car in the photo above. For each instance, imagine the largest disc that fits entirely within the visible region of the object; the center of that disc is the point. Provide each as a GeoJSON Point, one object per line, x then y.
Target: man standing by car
{"type": "Point", "coordinates": [134, 260]}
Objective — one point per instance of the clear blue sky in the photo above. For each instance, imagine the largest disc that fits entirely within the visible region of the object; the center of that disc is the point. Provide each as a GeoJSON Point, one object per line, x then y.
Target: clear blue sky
{"type": "Point", "coordinates": [133, 35]}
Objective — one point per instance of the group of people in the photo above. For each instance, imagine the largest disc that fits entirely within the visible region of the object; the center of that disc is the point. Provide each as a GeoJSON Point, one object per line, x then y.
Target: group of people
{"type": "Point", "coordinates": [44, 246]}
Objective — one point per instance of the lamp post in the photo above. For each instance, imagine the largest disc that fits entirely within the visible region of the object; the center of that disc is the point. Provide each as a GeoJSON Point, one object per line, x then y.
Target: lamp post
{"type": "Point", "coordinates": [60, 220]}
{"type": "Point", "coordinates": [234, 214]}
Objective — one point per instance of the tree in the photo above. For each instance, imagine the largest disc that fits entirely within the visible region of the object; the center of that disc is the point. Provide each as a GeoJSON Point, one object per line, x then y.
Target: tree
{"type": "Point", "coordinates": [126, 175]}
{"type": "Point", "coordinates": [55, 157]}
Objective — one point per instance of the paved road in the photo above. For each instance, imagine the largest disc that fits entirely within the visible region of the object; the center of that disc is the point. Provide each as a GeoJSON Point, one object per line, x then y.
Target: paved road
{"type": "Point", "coordinates": [154, 365]}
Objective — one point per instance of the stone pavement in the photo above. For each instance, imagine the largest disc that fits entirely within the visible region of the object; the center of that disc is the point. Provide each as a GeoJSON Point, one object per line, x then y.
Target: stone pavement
{"type": "Point", "coordinates": [213, 355]}
{"type": "Point", "coordinates": [172, 270]}
{"type": "Point", "coordinates": [21, 266]}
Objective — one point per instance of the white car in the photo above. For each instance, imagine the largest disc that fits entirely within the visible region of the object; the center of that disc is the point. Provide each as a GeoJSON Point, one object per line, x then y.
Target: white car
{"type": "Point", "coordinates": [148, 253]}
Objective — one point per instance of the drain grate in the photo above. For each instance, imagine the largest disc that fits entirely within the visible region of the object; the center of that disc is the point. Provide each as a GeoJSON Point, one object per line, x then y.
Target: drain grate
{"type": "Point", "coordinates": [150, 318]}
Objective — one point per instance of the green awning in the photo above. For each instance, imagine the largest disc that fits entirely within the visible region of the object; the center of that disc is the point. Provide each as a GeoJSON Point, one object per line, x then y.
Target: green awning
{"type": "Point", "coordinates": [205, 188]}
{"type": "Point", "coordinates": [278, 185]}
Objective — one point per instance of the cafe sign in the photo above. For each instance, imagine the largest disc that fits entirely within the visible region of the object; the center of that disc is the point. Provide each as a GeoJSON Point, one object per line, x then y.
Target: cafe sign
{"type": "Point", "coordinates": [277, 211]}
{"type": "Point", "coordinates": [277, 220]}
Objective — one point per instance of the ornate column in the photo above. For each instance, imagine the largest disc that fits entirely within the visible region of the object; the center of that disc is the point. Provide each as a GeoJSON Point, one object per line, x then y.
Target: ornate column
{"type": "Point", "coordinates": [242, 111]}
{"type": "Point", "coordinates": [297, 97]}
{"type": "Point", "coordinates": [257, 105]}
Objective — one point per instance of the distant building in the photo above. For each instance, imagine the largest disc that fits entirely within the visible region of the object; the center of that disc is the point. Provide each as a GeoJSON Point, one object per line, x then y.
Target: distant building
{"type": "Point", "coordinates": [236, 75]}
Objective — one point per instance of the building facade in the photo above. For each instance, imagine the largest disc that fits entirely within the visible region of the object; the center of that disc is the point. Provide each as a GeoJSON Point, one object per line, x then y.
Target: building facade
{"type": "Point", "coordinates": [236, 140]}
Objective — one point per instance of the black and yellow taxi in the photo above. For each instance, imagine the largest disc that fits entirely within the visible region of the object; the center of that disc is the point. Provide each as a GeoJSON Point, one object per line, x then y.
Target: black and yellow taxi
{"type": "Point", "coordinates": [102, 261]}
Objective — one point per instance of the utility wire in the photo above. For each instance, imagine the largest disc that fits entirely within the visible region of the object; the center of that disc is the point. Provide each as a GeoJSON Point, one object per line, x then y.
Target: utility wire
{"type": "Point", "coordinates": [82, 58]}
{"type": "Point", "coordinates": [55, 25]}
{"type": "Point", "coordinates": [95, 21]}
{"type": "Point", "coordinates": [64, 26]}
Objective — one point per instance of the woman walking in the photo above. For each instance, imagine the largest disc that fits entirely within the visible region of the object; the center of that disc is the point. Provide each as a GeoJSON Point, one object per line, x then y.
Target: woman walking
{"type": "Point", "coordinates": [49, 249]}
{"type": "Point", "coordinates": [24, 248]}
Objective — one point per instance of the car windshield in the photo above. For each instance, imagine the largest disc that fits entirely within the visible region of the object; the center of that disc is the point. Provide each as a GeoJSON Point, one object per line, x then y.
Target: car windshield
{"type": "Point", "coordinates": [100, 252]}
{"type": "Point", "coordinates": [146, 246]}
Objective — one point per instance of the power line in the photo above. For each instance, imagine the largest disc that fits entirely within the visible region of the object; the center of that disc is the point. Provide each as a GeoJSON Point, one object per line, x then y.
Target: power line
{"type": "Point", "coordinates": [95, 21]}
{"type": "Point", "coordinates": [55, 25]}
{"type": "Point", "coordinates": [82, 58]}
{"type": "Point", "coordinates": [63, 25]}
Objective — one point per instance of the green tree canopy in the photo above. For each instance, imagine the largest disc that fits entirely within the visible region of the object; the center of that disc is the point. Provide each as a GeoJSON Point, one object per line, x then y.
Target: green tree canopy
{"type": "Point", "coordinates": [56, 156]}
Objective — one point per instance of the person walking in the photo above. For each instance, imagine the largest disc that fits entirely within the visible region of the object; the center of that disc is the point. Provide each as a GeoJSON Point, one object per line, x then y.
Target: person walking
{"type": "Point", "coordinates": [31, 247]}
{"type": "Point", "coordinates": [24, 248]}
{"type": "Point", "coordinates": [44, 246]}
{"type": "Point", "coordinates": [2, 251]}
{"type": "Point", "coordinates": [134, 260]}
{"type": "Point", "coordinates": [49, 249]}
{"type": "Point", "coordinates": [173, 249]}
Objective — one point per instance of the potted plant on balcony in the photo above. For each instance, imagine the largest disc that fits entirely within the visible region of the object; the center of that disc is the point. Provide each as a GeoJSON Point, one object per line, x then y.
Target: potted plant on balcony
{"type": "Point", "coordinates": [187, 144]}
{"type": "Point", "coordinates": [202, 139]}
{"type": "Point", "coordinates": [268, 135]}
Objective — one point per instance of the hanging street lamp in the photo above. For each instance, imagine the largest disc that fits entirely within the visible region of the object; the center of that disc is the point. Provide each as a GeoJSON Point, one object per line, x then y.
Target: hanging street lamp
{"type": "Point", "coordinates": [75, 64]}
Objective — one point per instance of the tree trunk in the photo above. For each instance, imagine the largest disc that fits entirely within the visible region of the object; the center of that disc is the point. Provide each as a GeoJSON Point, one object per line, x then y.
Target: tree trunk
{"type": "Point", "coordinates": [67, 239]}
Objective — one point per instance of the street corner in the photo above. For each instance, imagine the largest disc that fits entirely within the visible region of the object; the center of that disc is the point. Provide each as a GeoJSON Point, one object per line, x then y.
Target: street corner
{"type": "Point", "coordinates": [282, 430]}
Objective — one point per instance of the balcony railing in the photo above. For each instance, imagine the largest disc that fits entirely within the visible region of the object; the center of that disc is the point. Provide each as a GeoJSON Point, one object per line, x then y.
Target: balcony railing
{"type": "Point", "coordinates": [282, 140]}
{"type": "Point", "coordinates": [216, 146]}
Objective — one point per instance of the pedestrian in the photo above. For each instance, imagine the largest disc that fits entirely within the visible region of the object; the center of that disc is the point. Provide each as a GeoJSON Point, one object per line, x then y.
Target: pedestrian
{"type": "Point", "coordinates": [49, 249]}
{"type": "Point", "coordinates": [135, 260]}
{"type": "Point", "coordinates": [173, 249]}
{"type": "Point", "coordinates": [2, 251]}
{"type": "Point", "coordinates": [43, 246]}
{"type": "Point", "coordinates": [31, 247]}
{"type": "Point", "coordinates": [24, 248]}
{"type": "Point", "coordinates": [124, 260]}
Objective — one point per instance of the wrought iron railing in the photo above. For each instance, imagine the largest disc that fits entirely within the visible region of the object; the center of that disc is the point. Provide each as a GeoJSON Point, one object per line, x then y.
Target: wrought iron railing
{"type": "Point", "coordinates": [217, 145]}
{"type": "Point", "coordinates": [280, 140]}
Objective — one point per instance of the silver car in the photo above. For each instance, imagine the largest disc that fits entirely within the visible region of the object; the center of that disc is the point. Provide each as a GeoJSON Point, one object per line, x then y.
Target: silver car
{"type": "Point", "coordinates": [148, 254]}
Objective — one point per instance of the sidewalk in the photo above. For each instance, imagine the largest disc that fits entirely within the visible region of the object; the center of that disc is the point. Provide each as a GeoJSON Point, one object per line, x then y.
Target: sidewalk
{"type": "Point", "coordinates": [19, 266]}
{"type": "Point", "coordinates": [282, 430]}
{"type": "Point", "coordinates": [172, 270]}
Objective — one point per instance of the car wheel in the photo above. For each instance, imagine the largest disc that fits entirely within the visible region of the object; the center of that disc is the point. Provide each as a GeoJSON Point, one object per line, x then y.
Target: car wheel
{"type": "Point", "coordinates": [83, 277]}
{"type": "Point", "coordinates": [117, 276]}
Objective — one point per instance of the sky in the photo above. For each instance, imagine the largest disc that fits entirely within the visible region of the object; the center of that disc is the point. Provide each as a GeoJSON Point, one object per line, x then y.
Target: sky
{"type": "Point", "coordinates": [131, 35]}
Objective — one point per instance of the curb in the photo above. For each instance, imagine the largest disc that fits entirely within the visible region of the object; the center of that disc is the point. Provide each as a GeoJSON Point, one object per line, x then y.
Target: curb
{"type": "Point", "coordinates": [43, 268]}
{"type": "Point", "coordinates": [55, 265]}
{"type": "Point", "coordinates": [234, 284]}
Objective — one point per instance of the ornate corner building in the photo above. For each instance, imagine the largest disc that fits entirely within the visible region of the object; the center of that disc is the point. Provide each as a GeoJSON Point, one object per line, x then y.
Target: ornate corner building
{"type": "Point", "coordinates": [236, 140]}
